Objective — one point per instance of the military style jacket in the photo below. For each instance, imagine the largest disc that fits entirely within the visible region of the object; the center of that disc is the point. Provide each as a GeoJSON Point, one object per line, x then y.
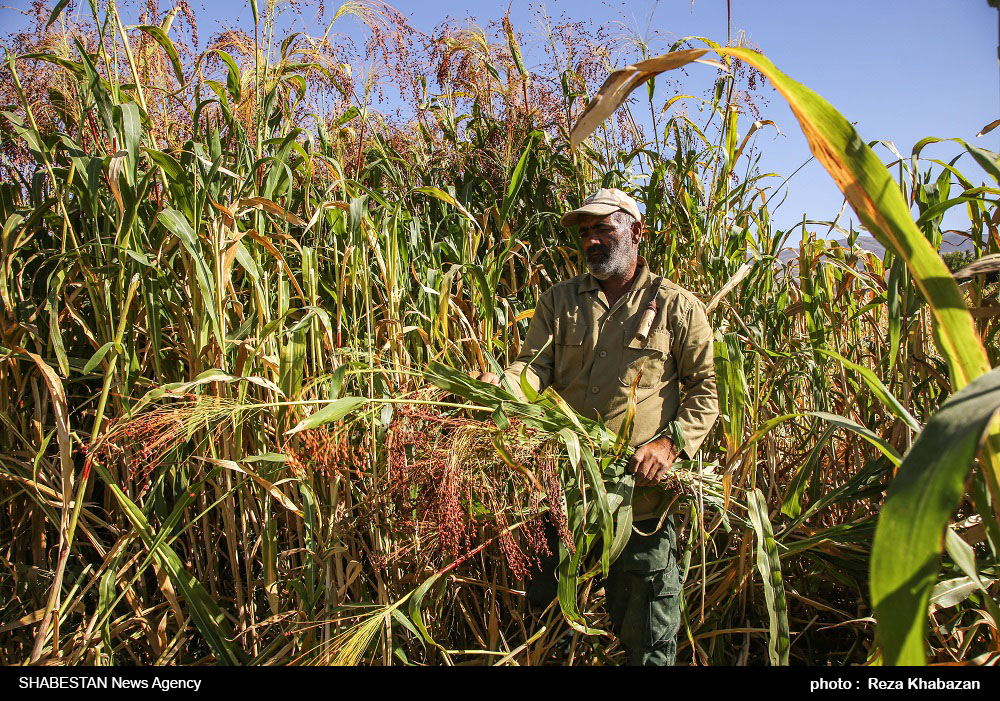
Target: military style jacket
{"type": "Point", "coordinates": [596, 350]}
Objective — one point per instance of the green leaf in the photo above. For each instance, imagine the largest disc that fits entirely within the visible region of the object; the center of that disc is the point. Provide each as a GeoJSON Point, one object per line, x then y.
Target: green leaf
{"type": "Point", "coordinates": [291, 362]}
{"type": "Point", "coordinates": [56, 11]}
{"type": "Point", "coordinates": [769, 566]}
{"type": "Point", "coordinates": [965, 557]}
{"type": "Point", "coordinates": [500, 418]}
{"type": "Point", "coordinates": [131, 123]}
{"type": "Point", "coordinates": [920, 501]}
{"type": "Point", "coordinates": [334, 411]}
{"type": "Point", "coordinates": [878, 389]}
{"type": "Point", "coordinates": [74, 67]}
{"type": "Point", "coordinates": [347, 116]}
{"type": "Point", "coordinates": [161, 38]}
{"type": "Point", "coordinates": [55, 336]}
{"type": "Point", "coordinates": [27, 133]}
{"type": "Point", "coordinates": [865, 433]}
{"type": "Point", "coordinates": [569, 565]}
{"type": "Point", "coordinates": [517, 175]}
{"type": "Point", "coordinates": [954, 591]}
{"type": "Point", "coordinates": [415, 607]}
{"type": "Point", "coordinates": [623, 492]}
{"type": "Point", "coordinates": [97, 357]}
{"type": "Point", "coordinates": [791, 505]}
{"type": "Point", "coordinates": [205, 612]}
{"type": "Point", "coordinates": [440, 194]}
{"type": "Point", "coordinates": [600, 497]}
{"type": "Point", "coordinates": [406, 623]}
{"type": "Point", "coordinates": [459, 383]}
{"type": "Point", "coordinates": [572, 442]}
{"type": "Point", "coordinates": [176, 223]}
{"type": "Point", "coordinates": [170, 166]}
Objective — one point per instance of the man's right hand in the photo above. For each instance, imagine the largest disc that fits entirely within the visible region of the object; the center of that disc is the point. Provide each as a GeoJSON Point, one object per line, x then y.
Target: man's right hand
{"type": "Point", "coordinates": [488, 377]}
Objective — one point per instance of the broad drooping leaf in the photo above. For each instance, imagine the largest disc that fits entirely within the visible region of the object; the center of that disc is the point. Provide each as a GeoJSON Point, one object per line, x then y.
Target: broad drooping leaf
{"type": "Point", "coordinates": [920, 501]}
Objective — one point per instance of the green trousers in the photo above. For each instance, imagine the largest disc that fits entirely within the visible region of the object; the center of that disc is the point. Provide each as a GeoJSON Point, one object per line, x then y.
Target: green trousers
{"type": "Point", "coordinates": [642, 591]}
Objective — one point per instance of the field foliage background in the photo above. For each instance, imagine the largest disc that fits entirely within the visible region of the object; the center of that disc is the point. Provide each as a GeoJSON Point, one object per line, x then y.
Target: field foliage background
{"type": "Point", "coordinates": [200, 252]}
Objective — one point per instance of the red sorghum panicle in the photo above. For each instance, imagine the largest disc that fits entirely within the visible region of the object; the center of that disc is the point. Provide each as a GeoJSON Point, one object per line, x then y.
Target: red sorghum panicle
{"type": "Point", "coordinates": [327, 450]}
{"type": "Point", "coordinates": [448, 487]}
{"type": "Point", "coordinates": [139, 445]}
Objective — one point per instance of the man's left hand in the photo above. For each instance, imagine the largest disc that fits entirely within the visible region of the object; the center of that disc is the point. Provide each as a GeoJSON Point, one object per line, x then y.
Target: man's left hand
{"type": "Point", "coordinates": [653, 461]}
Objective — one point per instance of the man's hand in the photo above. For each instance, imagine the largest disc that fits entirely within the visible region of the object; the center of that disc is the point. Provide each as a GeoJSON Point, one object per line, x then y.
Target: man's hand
{"type": "Point", "coordinates": [487, 377]}
{"type": "Point", "coordinates": [652, 461]}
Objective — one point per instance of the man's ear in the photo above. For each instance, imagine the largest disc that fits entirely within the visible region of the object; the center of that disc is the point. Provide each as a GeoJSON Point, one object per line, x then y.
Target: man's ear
{"type": "Point", "coordinates": [636, 231]}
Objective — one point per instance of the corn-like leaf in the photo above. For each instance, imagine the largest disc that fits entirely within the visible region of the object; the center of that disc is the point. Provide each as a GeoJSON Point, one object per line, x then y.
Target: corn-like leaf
{"type": "Point", "coordinates": [600, 498]}
{"type": "Point", "coordinates": [445, 197]}
{"type": "Point", "coordinates": [954, 591]}
{"type": "Point", "coordinates": [208, 617]}
{"type": "Point", "coordinates": [791, 505]}
{"type": "Point", "coordinates": [56, 11]}
{"type": "Point", "coordinates": [177, 224]}
{"type": "Point", "coordinates": [964, 556]}
{"type": "Point", "coordinates": [336, 410]}
{"type": "Point", "coordinates": [568, 569]}
{"type": "Point", "coordinates": [865, 433]}
{"type": "Point", "coordinates": [920, 501]}
{"type": "Point", "coordinates": [161, 38]}
{"type": "Point", "coordinates": [415, 607]}
{"type": "Point", "coordinates": [518, 174]}
{"type": "Point", "coordinates": [769, 566]}
{"type": "Point", "coordinates": [623, 493]}
{"type": "Point", "coordinates": [97, 357]}
{"type": "Point", "coordinates": [877, 388]}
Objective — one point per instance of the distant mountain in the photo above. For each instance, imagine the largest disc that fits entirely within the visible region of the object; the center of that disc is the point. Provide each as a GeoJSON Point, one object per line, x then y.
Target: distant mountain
{"type": "Point", "coordinates": [950, 242]}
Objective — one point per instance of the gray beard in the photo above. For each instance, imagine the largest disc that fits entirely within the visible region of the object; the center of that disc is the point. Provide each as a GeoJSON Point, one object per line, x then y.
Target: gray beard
{"type": "Point", "coordinates": [615, 263]}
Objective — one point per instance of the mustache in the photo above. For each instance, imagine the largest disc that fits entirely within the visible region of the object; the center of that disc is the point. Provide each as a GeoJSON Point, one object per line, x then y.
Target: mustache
{"type": "Point", "coordinates": [597, 251]}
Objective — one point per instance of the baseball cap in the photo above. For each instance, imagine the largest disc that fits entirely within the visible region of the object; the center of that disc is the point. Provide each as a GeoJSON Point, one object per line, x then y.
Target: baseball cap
{"type": "Point", "coordinates": [602, 203]}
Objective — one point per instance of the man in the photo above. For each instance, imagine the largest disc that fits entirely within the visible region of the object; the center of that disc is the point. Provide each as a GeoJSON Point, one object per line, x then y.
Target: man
{"type": "Point", "coordinates": [604, 331]}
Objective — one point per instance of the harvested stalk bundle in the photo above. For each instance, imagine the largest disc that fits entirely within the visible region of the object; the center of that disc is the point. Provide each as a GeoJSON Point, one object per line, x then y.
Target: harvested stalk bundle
{"type": "Point", "coordinates": [598, 488]}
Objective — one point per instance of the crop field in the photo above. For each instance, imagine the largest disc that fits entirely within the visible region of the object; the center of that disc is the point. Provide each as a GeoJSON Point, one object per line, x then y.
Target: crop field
{"type": "Point", "coordinates": [240, 302]}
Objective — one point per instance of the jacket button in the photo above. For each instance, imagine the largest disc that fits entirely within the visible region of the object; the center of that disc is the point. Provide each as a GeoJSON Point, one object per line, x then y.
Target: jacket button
{"type": "Point", "coordinates": [603, 354]}
{"type": "Point", "coordinates": [594, 390]}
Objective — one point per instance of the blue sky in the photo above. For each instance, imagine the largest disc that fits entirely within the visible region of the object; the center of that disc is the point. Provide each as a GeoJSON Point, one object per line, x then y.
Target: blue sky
{"type": "Point", "coordinates": [900, 69]}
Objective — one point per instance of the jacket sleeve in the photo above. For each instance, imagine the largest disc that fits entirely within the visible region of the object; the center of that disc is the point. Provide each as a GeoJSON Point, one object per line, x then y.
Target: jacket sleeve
{"type": "Point", "coordinates": [540, 335]}
{"type": "Point", "coordinates": [694, 352]}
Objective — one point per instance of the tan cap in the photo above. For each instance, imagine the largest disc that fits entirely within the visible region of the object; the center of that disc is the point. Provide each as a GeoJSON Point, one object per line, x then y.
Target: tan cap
{"type": "Point", "coordinates": [602, 203]}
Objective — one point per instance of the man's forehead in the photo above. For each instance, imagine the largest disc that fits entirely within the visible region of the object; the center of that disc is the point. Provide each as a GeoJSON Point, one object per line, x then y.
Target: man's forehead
{"type": "Point", "coordinates": [586, 221]}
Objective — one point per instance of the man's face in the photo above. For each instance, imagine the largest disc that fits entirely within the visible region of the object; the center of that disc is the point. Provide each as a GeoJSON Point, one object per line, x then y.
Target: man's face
{"type": "Point", "coordinates": [610, 246]}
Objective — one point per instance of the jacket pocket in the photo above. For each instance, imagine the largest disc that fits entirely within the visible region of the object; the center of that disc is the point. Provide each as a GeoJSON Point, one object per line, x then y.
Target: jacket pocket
{"type": "Point", "coordinates": [651, 357]}
{"type": "Point", "coordinates": [569, 335]}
